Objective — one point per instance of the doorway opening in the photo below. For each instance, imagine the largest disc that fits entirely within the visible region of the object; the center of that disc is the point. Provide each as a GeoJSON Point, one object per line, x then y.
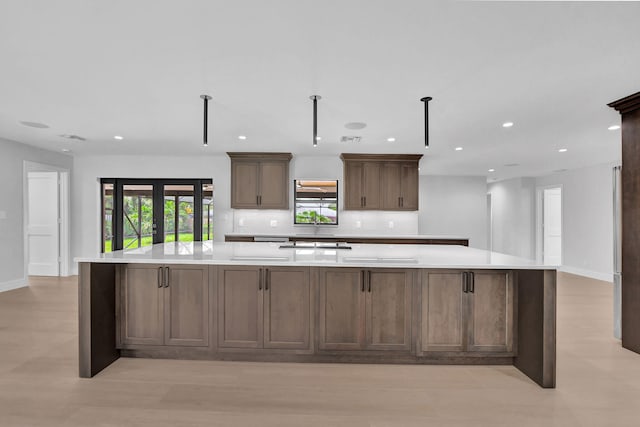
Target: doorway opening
{"type": "Point", "coordinates": [549, 225]}
{"type": "Point", "coordinates": [46, 220]}
{"type": "Point", "coordinates": [142, 212]}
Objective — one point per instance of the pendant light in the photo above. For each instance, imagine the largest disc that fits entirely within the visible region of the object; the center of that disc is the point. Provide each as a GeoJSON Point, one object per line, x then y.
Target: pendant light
{"type": "Point", "coordinates": [426, 100]}
{"type": "Point", "coordinates": [315, 99]}
{"type": "Point", "coordinates": [206, 99]}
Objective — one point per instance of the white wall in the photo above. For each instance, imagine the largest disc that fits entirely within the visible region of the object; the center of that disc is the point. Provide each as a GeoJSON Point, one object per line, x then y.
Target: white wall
{"type": "Point", "coordinates": [587, 226]}
{"type": "Point", "coordinates": [12, 158]}
{"type": "Point", "coordinates": [454, 205]}
{"type": "Point", "coordinates": [587, 212]}
{"type": "Point", "coordinates": [513, 214]}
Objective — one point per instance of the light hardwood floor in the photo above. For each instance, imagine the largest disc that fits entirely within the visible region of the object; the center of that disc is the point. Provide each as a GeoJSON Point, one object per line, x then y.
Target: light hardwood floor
{"type": "Point", "coordinates": [598, 381]}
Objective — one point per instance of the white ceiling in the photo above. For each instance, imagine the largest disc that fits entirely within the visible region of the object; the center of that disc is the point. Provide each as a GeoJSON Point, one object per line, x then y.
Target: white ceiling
{"type": "Point", "coordinates": [137, 69]}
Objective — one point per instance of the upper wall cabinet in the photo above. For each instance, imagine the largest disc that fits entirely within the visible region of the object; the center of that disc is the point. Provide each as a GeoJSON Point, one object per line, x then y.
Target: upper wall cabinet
{"type": "Point", "coordinates": [260, 180]}
{"type": "Point", "coordinates": [381, 181]}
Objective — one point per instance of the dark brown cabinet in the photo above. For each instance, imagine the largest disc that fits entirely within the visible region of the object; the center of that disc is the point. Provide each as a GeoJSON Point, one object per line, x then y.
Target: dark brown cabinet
{"type": "Point", "coordinates": [362, 309]}
{"type": "Point", "coordinates": [467, 311]}
{"type": "Point", "coordinates": [399, 184]}
{"type": "Point", "coordinates": [362, 185]}
{"type": "Point", "coordinates": [381, 181]}
{"type": "Point", "coordinates": [164, 305]}
{"type": "Point", "coordinates": [260, 180]}
{"type": "Point", "coordinates": [629, 109]}
{"type": "Point", "coordinates": [264, 307]}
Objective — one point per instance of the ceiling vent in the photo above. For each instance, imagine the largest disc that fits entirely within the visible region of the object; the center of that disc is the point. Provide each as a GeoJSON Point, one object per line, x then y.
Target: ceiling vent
{"type": "Point", "coordinates": [350, 139]}
{"type": "Point", "coordinates": [75, 137]}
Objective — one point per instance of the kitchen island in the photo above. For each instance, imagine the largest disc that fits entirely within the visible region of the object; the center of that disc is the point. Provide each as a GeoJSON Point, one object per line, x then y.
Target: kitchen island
{"type": "Point", "coordinates": [318, 302]}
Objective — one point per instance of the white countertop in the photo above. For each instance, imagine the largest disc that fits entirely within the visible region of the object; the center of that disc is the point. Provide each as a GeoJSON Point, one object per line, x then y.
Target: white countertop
{"type": "Point", "coordinates": [347, 235]}
{"type": "Point", "coordinates": [364, 255]}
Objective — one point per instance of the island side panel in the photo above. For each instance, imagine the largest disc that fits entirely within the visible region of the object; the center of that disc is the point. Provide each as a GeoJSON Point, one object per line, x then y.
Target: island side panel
{"type": "Point", "coordinates": [97, 317]}
{"type": "Point", "coordinates": [537, 326]}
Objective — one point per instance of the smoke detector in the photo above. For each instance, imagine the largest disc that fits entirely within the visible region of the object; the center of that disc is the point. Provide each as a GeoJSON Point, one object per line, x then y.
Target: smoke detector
{"type": "Point", "coordinates": [350, 139]}
{"type": "Point", "coordinates": [355, 125]}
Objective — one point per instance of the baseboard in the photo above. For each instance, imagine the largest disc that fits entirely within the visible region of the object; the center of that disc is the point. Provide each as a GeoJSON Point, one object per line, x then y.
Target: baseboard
{"type": "Point", "coordinates": [606, 277]}
{"type": "Point", "coordinates": [13, 284]}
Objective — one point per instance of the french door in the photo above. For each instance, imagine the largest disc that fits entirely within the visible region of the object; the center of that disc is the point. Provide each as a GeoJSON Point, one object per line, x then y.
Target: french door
{"type": "Point", "coordinates": [143, 212]}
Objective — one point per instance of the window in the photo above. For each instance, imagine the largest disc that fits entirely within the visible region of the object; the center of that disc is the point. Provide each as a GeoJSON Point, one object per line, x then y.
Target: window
{"type": "Point", "coordinates": [143, 212]}
{"type": "Point", "coordinates": [316, 202]}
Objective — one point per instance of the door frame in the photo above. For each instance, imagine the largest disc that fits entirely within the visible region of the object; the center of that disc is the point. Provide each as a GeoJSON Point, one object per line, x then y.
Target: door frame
{"type": "Point", "coordinates": [63, 213]}
{"type": "Point", "coordinates": [540, 221]}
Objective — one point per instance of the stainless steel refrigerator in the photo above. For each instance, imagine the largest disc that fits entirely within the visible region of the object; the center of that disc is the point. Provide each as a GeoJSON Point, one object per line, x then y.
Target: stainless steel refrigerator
{"type": "Point", "coordinates": [617, 252]}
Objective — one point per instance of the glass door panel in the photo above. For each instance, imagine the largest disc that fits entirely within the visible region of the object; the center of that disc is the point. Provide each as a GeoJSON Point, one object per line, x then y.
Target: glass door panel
{"type": "Point", "coordinates": [107, 217]}
{"type": "Point", "coordinates": [179, 213]}
{"type": "Point", "coordinates": [137, 216]}
{"type": "Point", "coordinates": [207, 211]}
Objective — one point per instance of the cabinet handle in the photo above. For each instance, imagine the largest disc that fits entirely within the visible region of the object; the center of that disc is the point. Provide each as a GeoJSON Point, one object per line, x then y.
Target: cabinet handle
{"type": "Point", "coordinates": [260, 200]}
{"type": "Point", "coordinates": [465, 282]}
{"type": "Point", "coordinates": [257, 199]}
{"type": "Point", "coordinates": [402, 202]}
{"type": "Point", "coordinates": [369, 280]}
{"type": "Point", "coordinates": [260, 279]}
{"type": "Point", "coordinates": [472, 285]}
{"type": "Point", "coordinates": [362, 276]}
{"type": "Point", "coordinates": [167, 277]}
{"type": "Point", "coordinates": [160, 277]}
{"type": "Point", "coordinates": [364, 198]}
{"type": "Point", "coordinates": [266, 280]}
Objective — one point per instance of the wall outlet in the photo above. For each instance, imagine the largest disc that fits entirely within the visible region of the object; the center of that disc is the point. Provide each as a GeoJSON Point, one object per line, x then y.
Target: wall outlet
{"type": "Point", "coordinates": [241, 222]}
{"type": "Point", "coordinates": [391, 224]}
{"type": "Point", "coordinates": [274, 223]}
{"type": "Point", "coordinates": [358, 224]}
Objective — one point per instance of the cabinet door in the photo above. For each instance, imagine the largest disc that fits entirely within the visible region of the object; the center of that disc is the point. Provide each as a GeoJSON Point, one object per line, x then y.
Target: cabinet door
{"type": "Point", "coordinates": [186, 302]}
{"type": "Point", "coordinates": [409, 178]}
{"type": "Point", "coordinates": [388, 309]}
{"type": "Point", "coordinates": [274, 185]}
{"type": "Point", "coordinates": [341, 320]}
{"type": "Point", "coordinates": [371, 185]}
{"type": "Point", "coordinates": [490, 312]}
{"type": "Point", "coordinates": [244, 184]}
{"type": "Point", "coordinates": [443, 304]}
{"type": "Point", "coordinates": [142, 305]}
{"type": "Point", "coordinates": [390, 183]}
{"type": "Point", "coordinates": [239, 307]}
{"type": "Point", "coordinates": [353, 174]}
{"type": "Point", "coordinates": [287, 308]}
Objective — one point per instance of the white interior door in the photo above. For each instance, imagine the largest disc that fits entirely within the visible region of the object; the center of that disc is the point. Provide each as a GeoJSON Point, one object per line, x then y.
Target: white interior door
{"type": "Point", "coordinates": [552, 226]}
{"type": "Point", "coordinates": [43, 228]}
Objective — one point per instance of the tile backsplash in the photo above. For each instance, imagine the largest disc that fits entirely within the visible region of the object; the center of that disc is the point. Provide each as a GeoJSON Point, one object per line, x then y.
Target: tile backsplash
{"type": "Point", "coordinates": [349, 222]}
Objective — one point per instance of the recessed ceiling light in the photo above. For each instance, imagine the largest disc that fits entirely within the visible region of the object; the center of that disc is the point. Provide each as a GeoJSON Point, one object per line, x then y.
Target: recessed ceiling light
{"type": "Point", "coordinates": [118, 137]}
{"type": "Point", "coordinates": [507, 124]}
{"type": "Point", "coordinates": [242, 137]}
{"type": "Point", "coordinates": [65, 150]}
{"type": "Point", "coordinates": [562, 150]}
{"type": "Point", "coordinates": [35, 125]}
{"type": "Point", "coordinates": [391, 139]}
{"type": "Point", "coordinates": [355, 125]}
{"type": "Point", "coordinates": [458, 148]}
{"type": "Point", "coordinates": [492, 170]}
{"type": "Point", "coordinates": [614, 127]}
